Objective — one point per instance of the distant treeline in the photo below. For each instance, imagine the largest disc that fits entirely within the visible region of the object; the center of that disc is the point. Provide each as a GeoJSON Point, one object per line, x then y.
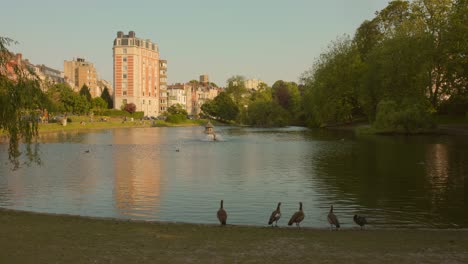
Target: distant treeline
{"type": "Point", "coordinates": [399, 68]}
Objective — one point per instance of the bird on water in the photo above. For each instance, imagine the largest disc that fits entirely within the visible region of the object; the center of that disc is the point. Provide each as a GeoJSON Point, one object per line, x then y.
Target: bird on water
{"type": "Point", "coordinates": [297, 217]}
{"type": "Point", "coordinates": [332, 219]}
{"type": "Point", "coordinates": [360, 220]}
{"type": "Point", "coordinates": [222, 215]}
{"type": "Point", "coordinates": [275, 215]}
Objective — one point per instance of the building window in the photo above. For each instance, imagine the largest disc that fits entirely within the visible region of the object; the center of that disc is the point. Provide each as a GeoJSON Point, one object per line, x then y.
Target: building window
{"type": "Point", "coordinates": [143, 93]}
{"type": "Point", "coordinates": [143, 101]}
{"type": "Point", "coordinates": [124, 92]}
{"type": "Point", "coordinates": [125, 59]}
{"type": "Point", "coordinates": [124, 101]}
{"type": "Point", "coordinates": [124, 76]}
{"type": "Point", "coordinates": [149, 102]}
{"type": "Point", "coordinates": [124, 51]}
{"type": "Point", "coordinates": [125, 68]}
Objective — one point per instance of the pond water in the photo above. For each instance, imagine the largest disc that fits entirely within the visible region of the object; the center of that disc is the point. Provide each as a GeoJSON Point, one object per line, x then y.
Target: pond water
{"type": "Point", "coordinates": [396, 181]}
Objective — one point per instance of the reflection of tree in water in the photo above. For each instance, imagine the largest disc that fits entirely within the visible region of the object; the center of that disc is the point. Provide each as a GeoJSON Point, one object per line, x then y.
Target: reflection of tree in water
{"type": "Point", "coordinates": [401, 179]}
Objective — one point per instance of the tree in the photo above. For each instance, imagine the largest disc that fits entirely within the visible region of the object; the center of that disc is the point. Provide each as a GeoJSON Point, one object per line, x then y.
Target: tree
{"type": "Point", "coordinates": [21, 100]}
{"type": "Point", "coordinates": [177, 109]}
{"type": "Point", "coordinates": [236, 88]}
{"type": "Point", "coordinates": [176, 114]}
{"type": "Point", "coordinates": [85, 92]}
{"type": "Point", "coordinates": [99, 103]}
{"type": "Point", "coordinates": [222, 108]}
{"type": "Point", "coordinates": [130, 108]}
{"type": "Point", "coordinates": [287, 96]}
{"type": "Point", "coordinates": [332, 85]}
{"type": "Point", "coordinates": [107, 98]}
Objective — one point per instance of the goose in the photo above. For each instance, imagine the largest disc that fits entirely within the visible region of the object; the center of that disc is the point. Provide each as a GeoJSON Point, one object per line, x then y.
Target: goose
{"type": "Point", "coordinates": [360, 220]}
{"type": "Point", "coordinates": [297, 217]}
{"type": "Point", "coordinates": [332, 219]}
{"type": "Point", "coordinates": [275, 215]}
{"type": "Point", "coordinates": [222, 215]}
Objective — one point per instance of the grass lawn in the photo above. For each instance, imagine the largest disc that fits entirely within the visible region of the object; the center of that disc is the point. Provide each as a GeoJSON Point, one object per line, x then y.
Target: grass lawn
{"type": "Point", "coordinates": [38, 238]}
{"type": "Point", "coordinates": [110, 123]}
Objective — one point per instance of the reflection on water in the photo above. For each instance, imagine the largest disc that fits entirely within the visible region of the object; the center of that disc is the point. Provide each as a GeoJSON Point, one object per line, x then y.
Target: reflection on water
{"type": "Point", "coordinates": [137, 173]}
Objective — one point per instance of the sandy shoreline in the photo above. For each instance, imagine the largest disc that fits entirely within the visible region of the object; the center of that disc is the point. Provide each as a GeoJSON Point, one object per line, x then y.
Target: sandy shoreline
{"type": "Point", "coordinates": [48, 238]}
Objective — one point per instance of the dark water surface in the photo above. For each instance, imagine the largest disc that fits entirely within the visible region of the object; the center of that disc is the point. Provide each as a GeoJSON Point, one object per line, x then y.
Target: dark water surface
{"type": "Point", "coordinates": [417, 181]}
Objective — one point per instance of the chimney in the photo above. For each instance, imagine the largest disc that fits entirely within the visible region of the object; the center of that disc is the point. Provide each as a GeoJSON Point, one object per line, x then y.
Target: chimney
{"type": "Point", "coordinates": [131, 34]}
{"type": "Point", "coordinates": [119, 34]}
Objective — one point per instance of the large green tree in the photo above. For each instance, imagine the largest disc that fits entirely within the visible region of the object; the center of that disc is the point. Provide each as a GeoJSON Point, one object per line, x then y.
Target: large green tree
{"type": "Point", "coordinates": [222, 108]}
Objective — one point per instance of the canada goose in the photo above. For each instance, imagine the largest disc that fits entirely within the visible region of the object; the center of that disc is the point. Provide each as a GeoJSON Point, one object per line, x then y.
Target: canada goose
{"type": "Point", "coordinates": [360, 220]}
{"type": "Point", "coordinates": [275, 215]}
{"type": "Point", "coordinates": [297, 217]}
{"type": "Point", "coordinates": [222, 215]}
{"type": "Point", "coordinates": [332, 219]}
{"type": "Point", "coordinates": [87, 151]}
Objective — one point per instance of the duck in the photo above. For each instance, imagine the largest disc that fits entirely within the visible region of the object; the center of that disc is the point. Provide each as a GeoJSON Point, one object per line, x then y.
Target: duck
{"type": "Point", "coordinates": [332, 219]}
{"type": "Point", "coordinates": [222, 215]}
{"type": "Point", "coordinates": [297, 217]}
{"type": "Point", "coordinates": [275, 216]}
{"type": "Point", "coordinates": [87, 151]}
{"type": "Point", "coordinates": [360, 220]}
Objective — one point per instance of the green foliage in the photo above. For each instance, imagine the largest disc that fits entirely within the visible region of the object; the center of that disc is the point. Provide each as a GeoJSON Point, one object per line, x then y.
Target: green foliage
{"type": "Point", "coordinates": [99, 103]}
{"type": "Point", "coordinates": [176, 118]}
{"type": "Point", "coordinates": [84, 91]}
{"type": "Point", "coordinates": [107, 97]}
{"type": "Point", "coordinates": [177, 109]}
{"type": "Point", "coordinates": [332, 86]}
{"type": "Point", "coordinates": [409, 116]}
{"type": "Point", "coordinates": [264, 113]}
{"type": "Point", "coordinates": [64, 99]}
{"type": "Point", "coordinates": [236, 89]}
{"type": "Point", "coordinates": [21, 102]}
{"type": "Point", "coordinates": [222, 108]}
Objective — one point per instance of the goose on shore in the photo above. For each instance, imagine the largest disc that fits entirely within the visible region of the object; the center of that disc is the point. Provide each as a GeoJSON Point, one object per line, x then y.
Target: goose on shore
{"type": "Point", "coordinates": [332, 219]}
{"type": "Point", "coordinates": [222, 215]}
{"type": "Point", "coordinates": [297, 217]}
{"type": "Point", "coordinates": [275, 215]}
{"type": "Point", "coordinates": [360, 220]}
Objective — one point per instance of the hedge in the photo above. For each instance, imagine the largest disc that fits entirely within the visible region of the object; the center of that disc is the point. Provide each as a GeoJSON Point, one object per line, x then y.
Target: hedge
{"type": "Point", "coordinates": [115, 112]}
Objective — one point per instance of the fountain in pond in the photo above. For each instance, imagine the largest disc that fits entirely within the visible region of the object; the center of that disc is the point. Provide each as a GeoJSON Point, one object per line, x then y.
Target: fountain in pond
{"type": "Point", "coordinates": [210, 133]}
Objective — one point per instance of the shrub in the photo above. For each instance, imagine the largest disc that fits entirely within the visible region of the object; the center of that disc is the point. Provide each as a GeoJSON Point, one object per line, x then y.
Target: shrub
{"type": "Point", "coordinates": [176, 118]}
{"type": "Point", "coordinates": [409, 116]}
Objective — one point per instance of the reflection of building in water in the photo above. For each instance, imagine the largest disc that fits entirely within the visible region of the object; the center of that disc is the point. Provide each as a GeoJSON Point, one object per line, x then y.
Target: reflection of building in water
{"type": "Point", "coordinates": [437, 170]}
{"type": "Point", "coordinates": [137, 173]}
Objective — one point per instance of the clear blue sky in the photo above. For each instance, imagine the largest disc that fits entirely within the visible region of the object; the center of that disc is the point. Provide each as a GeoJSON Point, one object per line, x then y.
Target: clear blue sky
{"type": "Point", "coordinates": [265, 39]}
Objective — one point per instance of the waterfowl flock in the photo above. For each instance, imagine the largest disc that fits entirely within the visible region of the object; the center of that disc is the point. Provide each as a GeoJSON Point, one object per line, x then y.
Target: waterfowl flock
{"type": "Point", "coordinates": [296, 218]}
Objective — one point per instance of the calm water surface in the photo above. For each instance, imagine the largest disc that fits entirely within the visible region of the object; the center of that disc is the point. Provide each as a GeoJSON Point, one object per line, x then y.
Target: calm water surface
{"type": "Point", "coordinates": [417, 181]}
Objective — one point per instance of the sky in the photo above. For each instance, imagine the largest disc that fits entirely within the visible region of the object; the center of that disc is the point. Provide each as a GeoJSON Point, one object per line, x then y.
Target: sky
{"type": "Point", "coordinates": [264, 39]}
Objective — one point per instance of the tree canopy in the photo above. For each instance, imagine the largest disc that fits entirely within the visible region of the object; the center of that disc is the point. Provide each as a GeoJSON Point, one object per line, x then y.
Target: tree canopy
{"type": "Point", "coordinates": [21, 104]}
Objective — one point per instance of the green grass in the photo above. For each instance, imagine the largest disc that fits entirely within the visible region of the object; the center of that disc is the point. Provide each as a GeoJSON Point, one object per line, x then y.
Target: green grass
{"type": "Point", "coordinates": [38, 238]}
{"type": "Point", "coordinates": [111, 123]}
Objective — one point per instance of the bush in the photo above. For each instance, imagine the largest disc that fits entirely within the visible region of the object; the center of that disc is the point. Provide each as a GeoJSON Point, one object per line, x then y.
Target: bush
{"type": "Point", "coordinates": [409, 116]}
{"type": "Point", "coordinates": [176, 118]}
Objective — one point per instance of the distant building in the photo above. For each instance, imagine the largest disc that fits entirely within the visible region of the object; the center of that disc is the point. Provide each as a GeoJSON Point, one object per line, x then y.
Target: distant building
{"type": "Point", "coordinates": [192, 95]}
{"type": "Point", "coordinates": [204, 79]}
{"type": "Point", "coordinates": [163, 94]}
{"type": "Point", "coordinates": [79, 72]}
{"type": "Point", "coordinates": [46, 75]}
{"type": "Point", "coordinates": [179, 94]}
{"type": "Point", "coordinates": [253, 84]}
{"type": "Point", "coordinates": [136, 73]}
